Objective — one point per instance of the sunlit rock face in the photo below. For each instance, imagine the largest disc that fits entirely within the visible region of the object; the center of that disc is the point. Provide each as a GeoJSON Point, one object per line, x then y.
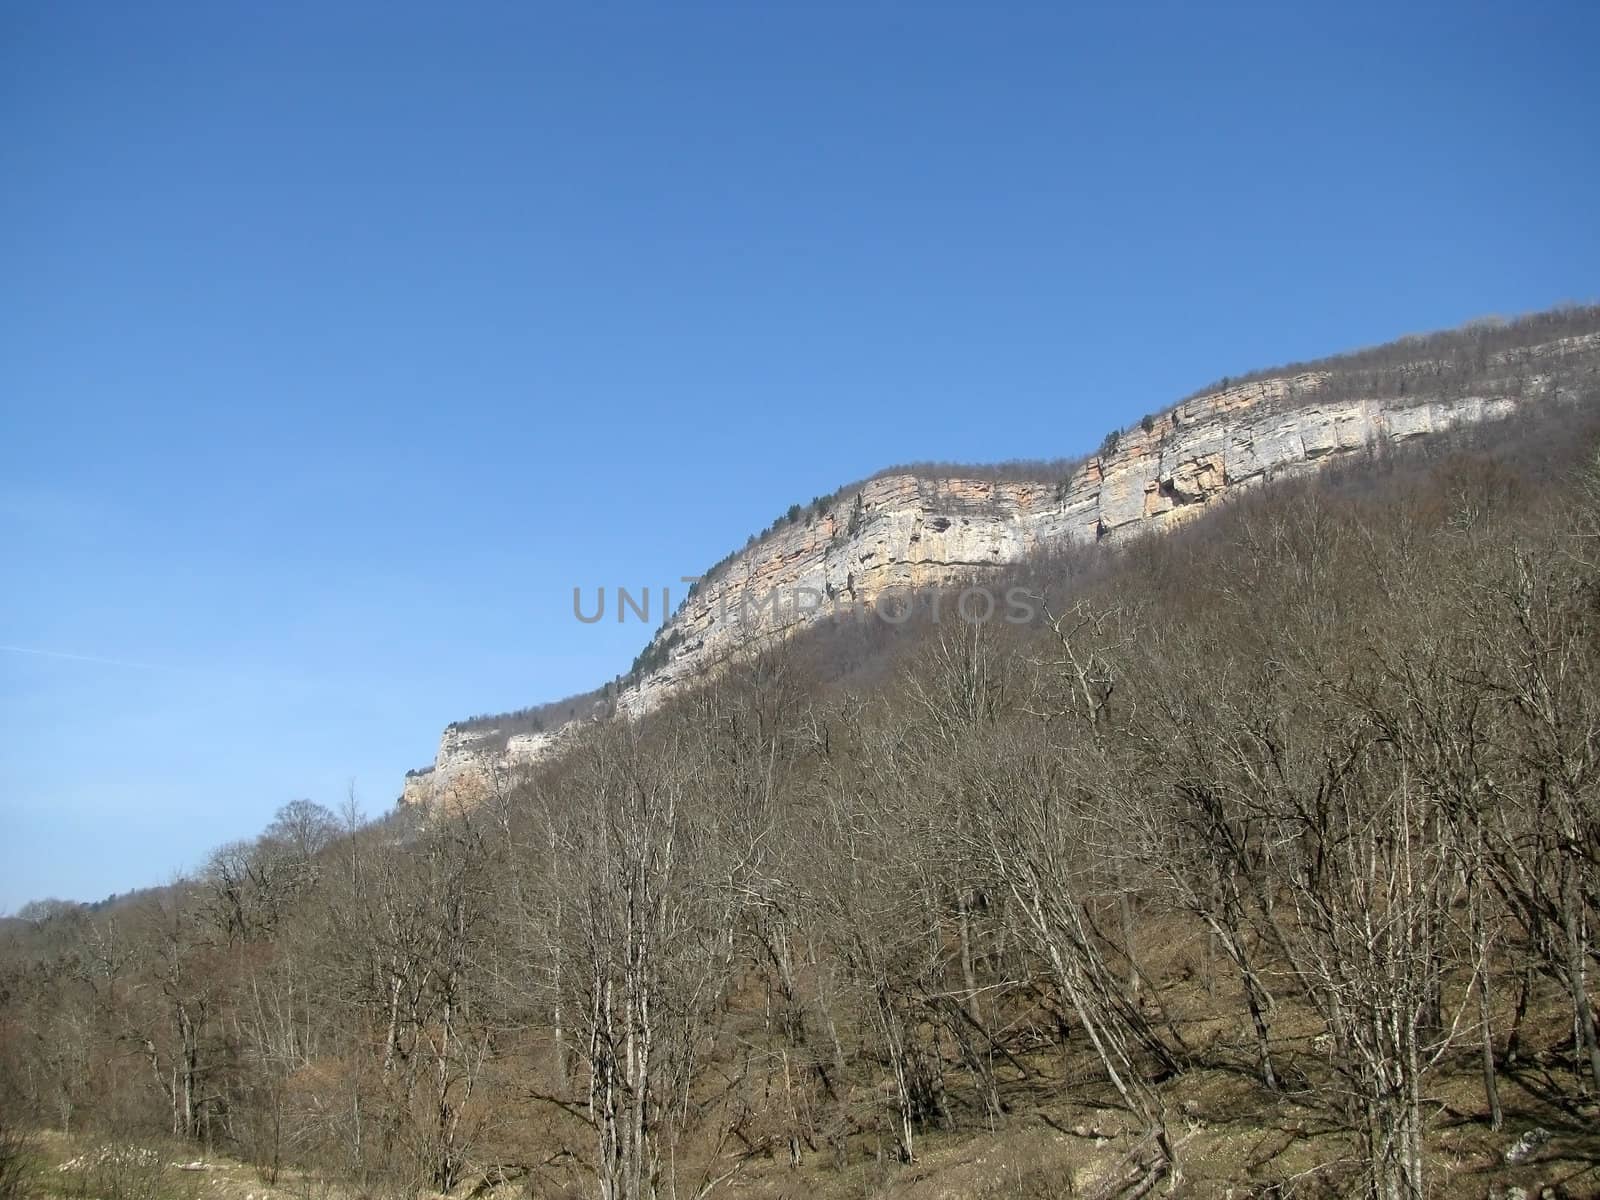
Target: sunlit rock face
{"type": "Point", "coordinates": [905, 531]}
{"type": "Point", "coordinates": [473, 765]}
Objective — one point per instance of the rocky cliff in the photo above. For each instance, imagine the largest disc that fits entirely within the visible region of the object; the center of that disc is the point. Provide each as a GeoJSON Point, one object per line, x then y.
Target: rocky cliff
{"type": "Point", "coordinates": [911, 530]}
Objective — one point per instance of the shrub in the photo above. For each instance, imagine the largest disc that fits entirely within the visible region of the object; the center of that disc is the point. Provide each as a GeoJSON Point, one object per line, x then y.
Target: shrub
{"type": "Point", "coordinates": [855, 517]}
{"type": "Point", "coordinates": [116, 1171]}
{"type": "Point", "coordinates": [17, 1163]}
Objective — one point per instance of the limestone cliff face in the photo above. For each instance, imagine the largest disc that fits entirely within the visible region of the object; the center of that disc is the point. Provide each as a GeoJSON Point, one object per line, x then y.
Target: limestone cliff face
{"type": "Point", "coordinates": [472, 763]}
{"type": "Point", "coordinates": [904, 531]}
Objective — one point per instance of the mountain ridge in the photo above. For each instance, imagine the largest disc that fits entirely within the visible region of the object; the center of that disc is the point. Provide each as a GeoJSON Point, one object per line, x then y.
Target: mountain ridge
{"type": "Point", "coordinates": [933, 526]}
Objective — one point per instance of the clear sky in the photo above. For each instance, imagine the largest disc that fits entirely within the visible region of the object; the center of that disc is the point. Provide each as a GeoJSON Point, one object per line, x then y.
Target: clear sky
{"type": "Point", "coordinates": [338, 343]}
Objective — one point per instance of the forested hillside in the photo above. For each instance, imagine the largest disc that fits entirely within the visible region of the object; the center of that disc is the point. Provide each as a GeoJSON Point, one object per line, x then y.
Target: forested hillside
{"type": "Point", "coordinates": [931, 525]}
{"type": "Point", "coordinates": [1265, 862]}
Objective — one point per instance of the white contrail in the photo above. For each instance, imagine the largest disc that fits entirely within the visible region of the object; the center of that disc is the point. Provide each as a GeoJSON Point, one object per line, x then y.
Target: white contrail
{"type": "Point", "coordinates": [88, 658]}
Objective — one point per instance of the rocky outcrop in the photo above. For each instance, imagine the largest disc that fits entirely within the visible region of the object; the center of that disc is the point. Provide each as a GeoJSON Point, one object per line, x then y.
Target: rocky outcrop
{"type": "Point", "coordinates": [475, 761]}
{"type": "Point", "coordinates": [909, 531]}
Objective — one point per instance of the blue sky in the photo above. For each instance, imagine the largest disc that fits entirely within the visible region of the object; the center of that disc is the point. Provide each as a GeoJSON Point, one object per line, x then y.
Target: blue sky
{"type": "Point", "coordinates": [338, 343]}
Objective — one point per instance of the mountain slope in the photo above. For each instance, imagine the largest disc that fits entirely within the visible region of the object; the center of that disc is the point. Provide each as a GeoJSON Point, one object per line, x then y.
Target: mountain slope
{"type": "Point", "coordinates": [921, 528]}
